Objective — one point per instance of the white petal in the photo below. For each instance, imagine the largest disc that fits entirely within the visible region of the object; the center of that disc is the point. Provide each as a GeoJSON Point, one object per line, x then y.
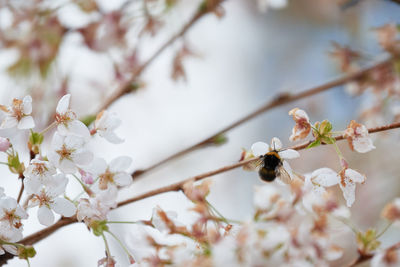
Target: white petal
{"type": "Point", "coordinates": [63, 207]}
{"type": "Point", "coordinates": [79, 128]}
{"type": "Point", "coordinates": [355, 176]}
{"type": "Point", "coordinates": [348, 192]}
{"type": "Point", "coordinates": [276, 144]}
{"type": "Point", "coordinates": [120, 164]}
{"type": "Point", "coordinates": [73, 141]}
{"type": "Point", "coordinates": [83, 158]}
{"type": "Point", "coordinates": [259, 149]}
{"type": "Point", "coordinates": [112, 138]}
{"type": "Point", "coordinates": [63, 104]}
{"type": "Point", "coordinates": [289, 154]}
{"type": "Point", "coordinates": [54, 158]}
{"type": "Point", "coordinates": [45, 216]}
{"type": "Point", "coordinates": [287, 167]}
{"type": "Point", "coordinates": [67, 166]}
{"type": "Point", "coordinates": [27, 105]}
{"type": "Point", "coordinates": [98, 166]}
{"type": "Point", "coordinates": [26, 123]}
{"type": "Point", "coordinates": [58, 141]}
{"type": "Point", "coordinates": [123, 179]}
{"type": "Point", "coordinates": [32, 185]}
{"type": "Point", "coordinates": [57, 185]}
{"type": "Point", "coordinates": [325, 177]}
{"type": "Point", "coordinates": [9, 122]}
{"type": "Point", "coordinates": [363, 144]}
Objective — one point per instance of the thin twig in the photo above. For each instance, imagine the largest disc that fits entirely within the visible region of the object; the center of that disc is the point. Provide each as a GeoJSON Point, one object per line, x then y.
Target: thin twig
{"type": "Point", "coordinates": [21, 190]}
{"type": "Point", "coordinates": [363, 258]}
{"type": "Point", "coordinates": [38, 236]}
{"type": "Point", "coordinates": [126, 86]}
{"type": "Point", "coordinates": [280, 100]}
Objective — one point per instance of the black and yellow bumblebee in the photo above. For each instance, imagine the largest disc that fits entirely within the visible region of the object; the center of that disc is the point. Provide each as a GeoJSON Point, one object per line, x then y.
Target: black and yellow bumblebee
{"type": "Point", "coordinates": [270, 166]}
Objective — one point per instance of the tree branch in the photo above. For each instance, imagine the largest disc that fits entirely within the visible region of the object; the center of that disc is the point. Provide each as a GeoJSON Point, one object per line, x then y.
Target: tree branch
{"type": "Point", "coordinates": [206, 7]}
{"type": "Point", "coordinates": [38, 236]}
{"type": "Point", "coordinates": [280, 100]}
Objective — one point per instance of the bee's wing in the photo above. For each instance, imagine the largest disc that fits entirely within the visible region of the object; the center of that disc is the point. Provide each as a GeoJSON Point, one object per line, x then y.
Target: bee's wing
{"type": "Point", "coordinates": [254, 165]}
{"type": "Point", "coordinates": [283, 175]}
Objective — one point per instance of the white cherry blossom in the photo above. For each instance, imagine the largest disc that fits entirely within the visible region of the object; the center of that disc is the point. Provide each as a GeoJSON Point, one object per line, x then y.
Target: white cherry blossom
{"type": "Point", "coordinates": [96, 208]}
{"type": "Point", "coordinates": [9, 235]}
{"type": "Point", "coordinates": [67, 122]}
{"type": "Point", "coordinates": [18, 114]}
{"type": "Point", "coordinates": [39, 170]}
{"type": "Point", "coordinates": [302, 127]}
{"type": "Point", "coordinates": [11, 213]}
{"type": "Point", "coordinates": [348, 180]}
{"type": "Point", "coordinates": [358, 138]}
{"type": "Point", "coordinates": [112, 174]}
{"type": "Point", "coordinates": [47, 197]}
{"type": "Point", "coordinates": [105, 125]}
{"type": "Point", "coordinates": [386, 258]}
{"type": "Point", "coordinates": [68, 153]}
{"type": "Point", "coordinates": [319, 179]}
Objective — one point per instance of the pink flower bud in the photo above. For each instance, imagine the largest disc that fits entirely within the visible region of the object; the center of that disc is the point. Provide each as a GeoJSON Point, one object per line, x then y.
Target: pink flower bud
{"type": "Point", "coordinates": [4, 144]}
{"type": "Point", "coordinates": [87, 178]}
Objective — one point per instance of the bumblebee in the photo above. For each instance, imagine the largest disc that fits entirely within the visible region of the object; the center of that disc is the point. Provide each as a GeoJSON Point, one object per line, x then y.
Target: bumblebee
{"type": "Point", "coordinates": [270, 166]}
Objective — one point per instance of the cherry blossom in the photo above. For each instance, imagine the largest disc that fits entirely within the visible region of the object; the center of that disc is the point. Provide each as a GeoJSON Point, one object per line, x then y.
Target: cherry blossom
{"type": "Point", "coordinates": [319, 179]}
{"type": "Point", "coordinates": [9, 235]}
{"type": "Point", "coordinates": [66, 120]}
{"type": "Point", "coordinates": [348, 180]}
{"type": "Point", "coordinates": [302, 127]}
{"type": "Point", "coordinates": [47, 197]}
{"type": "Point", "coordinates": [96, 208]}
{"type": "Point", "coordinates": [260, 148]}
{"type": "Point", "coordinates": [112, 174]}
{"type": "Point", "coordinates": [357, 137]}
{"type": "Point", "coordinates": [68, 153]}
{"type": "Point", "coordinates": [11, 213]}
{"type": "Point", "coordinates": [105, 125]}
{"type": "Point", "coordinates": [39, 170]}
{"type": "Point", "coordinates": [18, 114]}
{"type": "Point", "coordinates": [4, 144]}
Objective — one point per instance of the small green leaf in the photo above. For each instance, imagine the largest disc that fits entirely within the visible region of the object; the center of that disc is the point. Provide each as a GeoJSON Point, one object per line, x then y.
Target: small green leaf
{"type": "Point", "coordinates": [314, 144]}
{"type": "Point", "coordinates": [36, 138]}
{"type": "Point", "coordinates": [89, 119]}
{"type": "Point", "coordinates": [328, 140]}
{"type": "Point", "coordinates": [25, 252]}
{"type": "Point", "coordinates": [98, 227]}
{"type": "Point", "coordinates": [220, 139]}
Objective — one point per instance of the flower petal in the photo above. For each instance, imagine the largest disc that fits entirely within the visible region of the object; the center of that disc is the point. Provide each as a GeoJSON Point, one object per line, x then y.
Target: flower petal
{"type": "Point", "coordinates": [276, 144]}
{"type": "Point", "coordinates": [363, 144]}
{"type": "Point", "coordinates": [83, 158]}
{"type": "Point", "coordinates": [120, 164]}
{"type": "Point", "coordinates": [45, 216]}
{"type": "Point", "coordinates": [26, 123]}
{"type": "Point", "coordinates": [355, 176]}
{"type": "Point", "coordinates": [27, 105]}
{"type": "Point", "coordinates": [63, 207]}
{"type": "Point", "coordinates": [123, 179]}
{"type": "Point", "coordinates": [289, 154]}
{"type": "Point", "coordinates": [325, 177]}
{"type": "Point", "coordinates": [63, 104]}
{"type": "Point", "coordinates": [259, 149]}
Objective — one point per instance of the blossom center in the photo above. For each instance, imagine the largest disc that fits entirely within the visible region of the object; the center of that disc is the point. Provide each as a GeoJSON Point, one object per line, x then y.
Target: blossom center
{"type": "Point", "coordinates": [64, 152]}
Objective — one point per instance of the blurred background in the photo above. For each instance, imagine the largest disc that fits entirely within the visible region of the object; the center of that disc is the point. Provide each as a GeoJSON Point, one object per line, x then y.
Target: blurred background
{"type": "Point", "coordinates": [241, 61]}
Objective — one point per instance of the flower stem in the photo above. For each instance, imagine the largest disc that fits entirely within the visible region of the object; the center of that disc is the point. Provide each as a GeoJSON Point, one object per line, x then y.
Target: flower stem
{"type": "Point", "coordinates": [120, 243]}
{"type": "Point", "coordinates": [106, 245]}
{"type": "Point", "coordinates": [126, 222]}
{"type": "Point", "coordinates": [384, 230]}
{"type": "Point", "coordinates": [53, 124]}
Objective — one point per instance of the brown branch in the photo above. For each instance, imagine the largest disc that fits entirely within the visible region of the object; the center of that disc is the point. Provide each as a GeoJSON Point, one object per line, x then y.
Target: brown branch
{"type": "Point", "coordinates": [178, 186]}
{"type": "Point", "coordinates": [206, 7]}
{"type": "Point", "coordinates": [278, 101]}
{"type": "Point", "coordinates": [363, 258]}
{"type": "Point", "coordinates": [38, 236]}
